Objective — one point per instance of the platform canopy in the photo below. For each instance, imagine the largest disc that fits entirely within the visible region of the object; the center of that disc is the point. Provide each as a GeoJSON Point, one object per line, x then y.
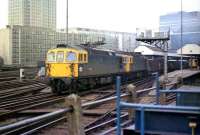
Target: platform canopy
{"type": "Point", "coordinates": [153, 51]}
{"type": "Point", "coordinates": [190, 49]}
{"type": "Point", "coordinates": [148, 50]}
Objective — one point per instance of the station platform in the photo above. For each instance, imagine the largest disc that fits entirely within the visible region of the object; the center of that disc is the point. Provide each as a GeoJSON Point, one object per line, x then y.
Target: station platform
{"type": "Point", "coordinates": [173, 76]}
{"type": "Point", "coordinates": [189, 87]}
{"type": "Point", "coordinates": [187, 98]}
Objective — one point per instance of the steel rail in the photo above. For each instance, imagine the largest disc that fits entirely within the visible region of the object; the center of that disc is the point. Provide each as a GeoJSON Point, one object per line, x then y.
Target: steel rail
{"type": "Point", "coordinates": [24, 98]}
{"type": "Point", "coordinates": [21, 92]}
{"type": "Point", "coordinates": [3, 116]}
{"type": "Point", "coordinates": [32, 120]}
{"type": "Point", "coordinates": [102, 101]}
{"type": "Point", "coordinates": [84, 105]}
{"type": "Point", "coordinates": [104, 124]}
{"type": "Point", "coordinates": [113, 97]}
{"type": "Point", "coordinates": [43, 126]}
{"type": "Point", "coordinates": [15, 90]}
{"type": "Point", "coordinates": [107, 132]}
{"type": "Point", "coordinates": [39, 100]}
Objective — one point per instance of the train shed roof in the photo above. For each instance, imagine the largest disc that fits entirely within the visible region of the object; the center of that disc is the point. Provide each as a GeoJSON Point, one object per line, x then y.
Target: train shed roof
{"type": "Point", "coordinates": [190, 49]}
{"type": "Point", "coordinates": [149, 50]}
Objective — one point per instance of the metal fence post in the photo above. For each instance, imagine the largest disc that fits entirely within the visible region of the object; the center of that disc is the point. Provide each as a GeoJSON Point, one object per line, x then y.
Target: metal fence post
{"type": "Point", "coordinates": [157, 89]}
{"type": "Point", "coordinates": [74, 118]}
{"type": "Point", "coordinates": [118, 84]}
{"type": "Point", "coordinates": [142, 121]}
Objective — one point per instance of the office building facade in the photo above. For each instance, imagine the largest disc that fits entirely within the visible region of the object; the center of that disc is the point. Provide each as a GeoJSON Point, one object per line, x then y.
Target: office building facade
{"type": "Point", "coordinates": [120, 41]}
{"type": "Point", "coordinates": [25, 45]}
{"type": "Point", "coordinates": [36, 13]}
{"type": "Point", "coordinates": [190, 28]}
{"type": "Point", "coordinates": [32, 31]}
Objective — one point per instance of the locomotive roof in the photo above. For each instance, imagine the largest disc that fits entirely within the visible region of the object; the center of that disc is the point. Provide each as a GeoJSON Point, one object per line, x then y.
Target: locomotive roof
{"type": "Point", "coordinates": [95, 50]}
{"type": "Point", "coordinates": [70, 46]}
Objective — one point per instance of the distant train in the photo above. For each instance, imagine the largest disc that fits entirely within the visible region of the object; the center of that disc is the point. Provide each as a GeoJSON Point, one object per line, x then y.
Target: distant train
{"type": "Point", "coordinates": [194, 63]}
{"type": "Point", "coordinates": [72, 67]}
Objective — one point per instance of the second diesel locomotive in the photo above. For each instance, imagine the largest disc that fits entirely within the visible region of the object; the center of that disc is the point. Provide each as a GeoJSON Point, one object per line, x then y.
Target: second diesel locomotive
{"type": "Point", "coordinates": [71, 67]}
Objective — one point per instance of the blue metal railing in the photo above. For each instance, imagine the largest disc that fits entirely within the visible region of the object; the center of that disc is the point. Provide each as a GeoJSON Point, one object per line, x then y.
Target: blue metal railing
{"type": "Point", "coordinates": [118, 90]}
{"type": "Point", "coordinates": [118, 83]}
{"type": "Point", "coordinates": [143, 107]}
{"type": "Point", "coordinates": [120, 105]}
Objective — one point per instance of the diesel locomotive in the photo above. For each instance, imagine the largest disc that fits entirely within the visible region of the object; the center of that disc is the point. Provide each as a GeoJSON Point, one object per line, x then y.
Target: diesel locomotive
{"type": "Point", "coordinates": [70, 67]}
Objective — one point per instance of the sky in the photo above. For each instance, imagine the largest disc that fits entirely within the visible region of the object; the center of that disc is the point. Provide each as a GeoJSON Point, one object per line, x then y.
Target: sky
{"type": "Point", "coordinates": [115, 15]}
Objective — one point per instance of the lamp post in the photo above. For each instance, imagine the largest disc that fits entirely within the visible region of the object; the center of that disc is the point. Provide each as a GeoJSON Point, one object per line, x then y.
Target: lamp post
{"type": "Point", "coordinates": [181, 63]}
{"type": "Point", "coordinates": [67, 17]}
{"type": "Point", "coordinates": [19, 47]}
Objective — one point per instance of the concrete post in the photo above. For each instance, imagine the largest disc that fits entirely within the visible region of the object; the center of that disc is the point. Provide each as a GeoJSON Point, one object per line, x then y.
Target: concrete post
{"type": "Point", "coordinates": [21, 74]}
{"type": "Point", "coordinates": [74, 119]}
{"type": "Point", "coordinates": [162, 98]}
{"type": "Point", "coordinates": [179, 81]}
{"type": "Point", "coordinates": [131, 99]}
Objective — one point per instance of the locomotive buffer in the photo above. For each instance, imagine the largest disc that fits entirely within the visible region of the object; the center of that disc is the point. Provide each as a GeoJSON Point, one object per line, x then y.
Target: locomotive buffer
{"type": "Point", "coordinates": [158, 40]}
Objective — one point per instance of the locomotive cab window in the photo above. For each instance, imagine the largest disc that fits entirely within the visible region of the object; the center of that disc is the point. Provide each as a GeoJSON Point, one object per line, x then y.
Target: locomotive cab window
{"type": "Point", "coordinates": [131, 60]}
{"type": "Point", "coordinates": [80, 57]}
{"type": "Point", "coordinates": [60, 56]}
{"type": "Point", "coordinates": [51, 57]}
{"type": "Point", "coordinates": [71, 56]}
{"type": "Point", "coordinates": [126, 60]}
{"type": "Point", "coordinates": [85, 59]}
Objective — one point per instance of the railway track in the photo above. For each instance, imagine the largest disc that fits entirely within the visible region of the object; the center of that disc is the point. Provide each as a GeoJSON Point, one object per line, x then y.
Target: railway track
{"type": "Point", "coordinates": [12, 73]}
{"type": "Point", "coordinates": [101, 118]}
{"type": "Point", "coordinates": [15, 84]}
{"type": "Point", "coordinates": [9, 75]}
{"type": "Point", "coordinates": [107, 111]}
{"type": "Point", "coordinates": [16, 96]}
{"type": "Point", "coordinates": [97, 119]}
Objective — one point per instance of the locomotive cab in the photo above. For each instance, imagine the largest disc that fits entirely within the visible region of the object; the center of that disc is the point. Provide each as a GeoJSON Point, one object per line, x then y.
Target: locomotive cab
{"type": "Point", "coordinates": [64, 62]}
{"type": "Point", "coordinates": [62, 66]}
{"type": "Point", "coordinates": [126, 63]}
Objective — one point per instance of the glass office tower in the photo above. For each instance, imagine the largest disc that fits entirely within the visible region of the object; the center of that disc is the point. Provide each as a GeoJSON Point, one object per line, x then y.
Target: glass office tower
{"type": "Point", "coordinates": [191, 28]}
{"type": "Point", "coordinates": [37, 13]}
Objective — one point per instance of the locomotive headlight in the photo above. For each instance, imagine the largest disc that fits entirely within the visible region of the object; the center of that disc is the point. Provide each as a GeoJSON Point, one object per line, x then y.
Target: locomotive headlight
{"type": "Point", "coordinates": [81, 69]}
